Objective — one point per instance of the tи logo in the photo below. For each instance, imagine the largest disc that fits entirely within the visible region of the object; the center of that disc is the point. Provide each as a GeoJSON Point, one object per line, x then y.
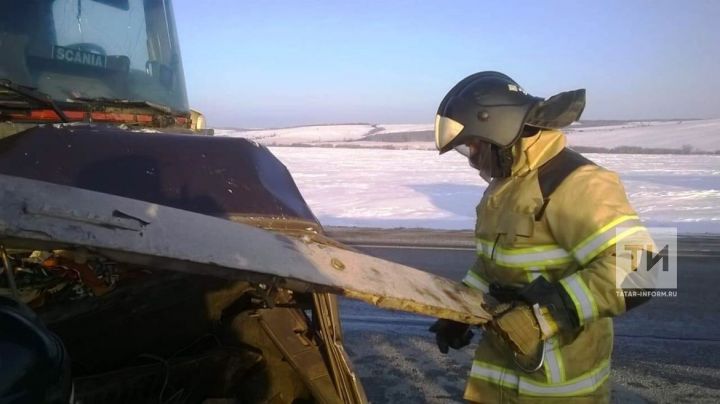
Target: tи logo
{"type": "Point", "coordinates": [646, 258]}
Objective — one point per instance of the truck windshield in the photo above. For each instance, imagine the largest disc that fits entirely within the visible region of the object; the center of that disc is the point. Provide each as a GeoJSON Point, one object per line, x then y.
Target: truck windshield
{"type": "Point", "coordinates": [110, 49]}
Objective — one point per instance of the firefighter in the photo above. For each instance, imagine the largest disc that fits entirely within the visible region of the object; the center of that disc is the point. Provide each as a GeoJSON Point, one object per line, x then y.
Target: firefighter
{"type": "Point", "coordinates": [546, 232]}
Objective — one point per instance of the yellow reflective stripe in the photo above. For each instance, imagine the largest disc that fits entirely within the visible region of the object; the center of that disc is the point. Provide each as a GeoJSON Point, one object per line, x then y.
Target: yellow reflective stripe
{"type": "Point", "coordinates": [578, 306]}
{"type": "Point", "coordinates": [587, 293]}
{"type": "Point", "coordinates": [617, 221]}
{"type": "Point", "coordinates": [476, 281]}
{"type": "Point", "coordinates": [520, 250]}
{"type": "Point", "coordinates": [581, 296]}
{"type": "Point", "coordinates": [494, 374]}
{"type": "Point", "coordinates": [526, 262]}
{"type": "Point", "coordinates": [592, 245]}
{"type": "Point", "coordinates": [526, 257]}
{"type": "Point", "coordinates": [554, 367]}
{"type": "Point", "coordinates": [583, 384]}
{"type": "Point", "coordinates": [611, 241]}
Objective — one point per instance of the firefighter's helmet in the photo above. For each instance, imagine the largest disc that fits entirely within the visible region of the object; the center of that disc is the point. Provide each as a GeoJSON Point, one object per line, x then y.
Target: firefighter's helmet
{"type": "Point", "coordinates": [492, 107]}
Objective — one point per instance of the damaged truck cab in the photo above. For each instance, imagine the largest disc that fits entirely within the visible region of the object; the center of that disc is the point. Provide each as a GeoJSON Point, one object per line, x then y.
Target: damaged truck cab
{"type": "Point", "coordinates": [174, 266]}
{"type": "Point", "coordinates": [92, 96]}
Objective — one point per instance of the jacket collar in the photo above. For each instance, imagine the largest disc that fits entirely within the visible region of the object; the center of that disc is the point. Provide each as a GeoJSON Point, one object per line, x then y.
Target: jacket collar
{"type": "Point", "coordinates": [532, 152]}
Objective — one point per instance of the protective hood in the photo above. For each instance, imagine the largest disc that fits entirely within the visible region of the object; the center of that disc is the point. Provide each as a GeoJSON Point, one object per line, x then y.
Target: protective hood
{"type": "Point", "coordinates": [532, 152]}
{"type": "Point", "coordinates": [558, 111]}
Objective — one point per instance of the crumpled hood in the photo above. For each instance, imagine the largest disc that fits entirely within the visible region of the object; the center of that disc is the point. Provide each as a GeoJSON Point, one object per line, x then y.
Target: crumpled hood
{"type": "Point", "coordinates": [532, 152]}
{"type": "Point", "coordinates": [216, 176]}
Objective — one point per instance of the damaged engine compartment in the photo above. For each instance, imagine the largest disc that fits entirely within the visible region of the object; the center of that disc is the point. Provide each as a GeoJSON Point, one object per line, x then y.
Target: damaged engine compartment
{"type": "Point", "coordinates": [141, 335]}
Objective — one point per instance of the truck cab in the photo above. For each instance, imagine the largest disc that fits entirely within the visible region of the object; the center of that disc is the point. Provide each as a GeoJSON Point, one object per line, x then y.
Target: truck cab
{"type": "Point", "coordinates": [92, 98]}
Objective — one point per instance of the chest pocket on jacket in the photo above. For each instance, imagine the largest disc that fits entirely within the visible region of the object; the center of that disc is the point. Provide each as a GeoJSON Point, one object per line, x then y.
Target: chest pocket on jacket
{"type": "Point", "coordinates": [512, 222]}
{"type": "Point", "coordinates": [515, 224]}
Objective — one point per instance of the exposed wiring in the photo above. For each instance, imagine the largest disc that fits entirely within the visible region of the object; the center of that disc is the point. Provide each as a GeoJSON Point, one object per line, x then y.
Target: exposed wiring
{"type": "Point", "coordinates": [195, 342]}
{"type": "Point", "coordinates": [166, 366]}
{"type": "Point", "coordinates": [9, 272]}
{"type": "Point", "coordinates": [166, 371]}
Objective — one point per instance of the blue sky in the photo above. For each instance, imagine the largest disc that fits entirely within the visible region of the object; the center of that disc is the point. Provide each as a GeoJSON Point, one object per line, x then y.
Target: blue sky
{"type": "Point", "coordinates": [282, 63]}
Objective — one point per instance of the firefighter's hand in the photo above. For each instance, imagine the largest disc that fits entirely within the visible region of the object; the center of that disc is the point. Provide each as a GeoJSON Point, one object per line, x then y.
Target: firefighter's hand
{"type": "Point", "coordinates": [523, 327]}
{"type": "Point", "coordinates": [452, 334]}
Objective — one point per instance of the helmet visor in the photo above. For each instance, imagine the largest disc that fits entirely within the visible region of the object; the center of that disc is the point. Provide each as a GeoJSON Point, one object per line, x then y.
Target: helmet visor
{"type": "Point", "coordinates": [446, 130]}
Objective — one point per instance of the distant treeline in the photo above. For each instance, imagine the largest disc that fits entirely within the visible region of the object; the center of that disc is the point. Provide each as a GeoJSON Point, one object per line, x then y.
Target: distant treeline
{"type": "Point", "coordinates": [418, 136]}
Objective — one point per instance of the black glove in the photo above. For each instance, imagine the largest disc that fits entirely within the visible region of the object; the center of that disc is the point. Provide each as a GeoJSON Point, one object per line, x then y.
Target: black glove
{"type": "Point", "coordinates": [554, 297]}
{"type": "Point", "coordinates": [449, 333]}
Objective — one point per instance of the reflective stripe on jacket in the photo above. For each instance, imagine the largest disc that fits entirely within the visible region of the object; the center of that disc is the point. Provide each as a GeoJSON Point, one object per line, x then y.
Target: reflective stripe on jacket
{"type": "Point", "coordinates": [571, 242]}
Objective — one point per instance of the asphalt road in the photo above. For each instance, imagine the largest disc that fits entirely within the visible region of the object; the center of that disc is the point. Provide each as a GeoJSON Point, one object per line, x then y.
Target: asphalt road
{"type": "Point", "coordinates": [667, 350]}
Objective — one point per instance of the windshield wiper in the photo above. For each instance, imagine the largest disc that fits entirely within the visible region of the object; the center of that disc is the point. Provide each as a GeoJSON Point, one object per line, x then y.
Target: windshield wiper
{"type": "Point", "coordinates": [34, 95]}
{"type": "Point", "coordinates": [118, 102]}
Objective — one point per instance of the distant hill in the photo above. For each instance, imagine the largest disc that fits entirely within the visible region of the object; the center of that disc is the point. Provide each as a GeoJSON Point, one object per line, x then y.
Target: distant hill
{"type": "Point", "coordinates": [671, 136]}
{"type": "Point", "coordinates": [701, 135]}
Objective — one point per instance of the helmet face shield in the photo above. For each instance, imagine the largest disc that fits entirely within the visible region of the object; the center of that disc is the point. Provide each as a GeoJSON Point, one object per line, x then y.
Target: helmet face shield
{"type": "Point", "coordinates": [446, 131]}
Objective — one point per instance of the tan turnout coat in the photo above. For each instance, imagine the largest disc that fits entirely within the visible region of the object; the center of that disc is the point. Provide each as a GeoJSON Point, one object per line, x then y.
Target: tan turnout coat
{"type": "Point", "coordinates": [573, 243]}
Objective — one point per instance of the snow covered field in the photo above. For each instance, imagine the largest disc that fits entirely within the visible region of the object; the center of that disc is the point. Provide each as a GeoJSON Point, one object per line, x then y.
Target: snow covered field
{"type": "Point", "coordinates": [418, 188]}
{"type": "Point", "coordinates": [371, 187]}
{"type": "Point", "coordinates": [698, 134]}
{"type": "Point", "coordinates": [320, 134]}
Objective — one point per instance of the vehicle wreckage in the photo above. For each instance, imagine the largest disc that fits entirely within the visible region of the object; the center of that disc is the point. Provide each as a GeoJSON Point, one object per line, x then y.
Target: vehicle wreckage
{"type": "Point", "coordinates": [175, 266]}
